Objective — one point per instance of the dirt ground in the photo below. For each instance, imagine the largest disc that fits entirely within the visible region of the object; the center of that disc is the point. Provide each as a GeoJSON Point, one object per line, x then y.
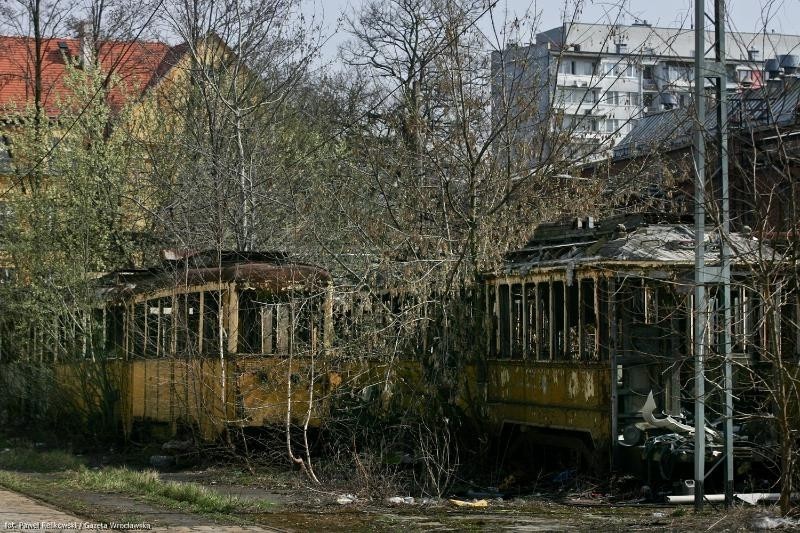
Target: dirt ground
{"type": "Point", "coordinates": [300, 507]}
{"type": "Point", "coordinates": [295, 505]}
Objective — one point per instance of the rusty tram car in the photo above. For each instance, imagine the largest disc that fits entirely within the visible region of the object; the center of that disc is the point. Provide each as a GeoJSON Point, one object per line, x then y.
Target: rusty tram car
{"type": "Point", "coordinates": [195, 341]}
{"type": "Point", "coordinates": [590, 340]}
{"type": "Point", "coordinates": [577, 329]}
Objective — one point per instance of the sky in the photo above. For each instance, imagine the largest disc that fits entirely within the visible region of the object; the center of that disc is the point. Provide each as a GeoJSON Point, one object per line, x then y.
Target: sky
{"type": "Point", "coordinates": [782, 16]}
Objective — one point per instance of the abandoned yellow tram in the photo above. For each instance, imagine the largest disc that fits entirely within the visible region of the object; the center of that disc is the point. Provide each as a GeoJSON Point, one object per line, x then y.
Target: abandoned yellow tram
{"type": "Point", "coordinates": [588, 321]}
{"type": "Point", "coordinates": [194, 342]}
{"type": "Point", "coordinates": [573, 334]}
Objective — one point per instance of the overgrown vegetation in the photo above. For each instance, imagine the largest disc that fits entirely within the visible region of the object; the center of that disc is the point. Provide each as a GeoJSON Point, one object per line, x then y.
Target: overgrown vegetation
{"type": "Point", "coordinates": [405, 174]}
{"type": "Point", "coordinates": [147, 483]}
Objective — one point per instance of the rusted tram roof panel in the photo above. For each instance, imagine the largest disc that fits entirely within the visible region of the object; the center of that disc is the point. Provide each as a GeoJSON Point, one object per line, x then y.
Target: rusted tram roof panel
{"type": "Point", "coordinates": [635, 239]}
{"type": "Point", "coordinates": [269, 271]}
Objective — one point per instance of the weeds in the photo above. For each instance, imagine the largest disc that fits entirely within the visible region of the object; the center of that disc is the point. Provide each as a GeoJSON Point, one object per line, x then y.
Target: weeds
{"type": "Point", "coordinates": [147, 483]}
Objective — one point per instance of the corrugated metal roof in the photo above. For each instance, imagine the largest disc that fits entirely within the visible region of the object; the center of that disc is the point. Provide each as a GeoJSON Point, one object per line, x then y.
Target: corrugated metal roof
{"type": "Point", "coordinates": [634, 241]}
{"type": "Point", "coordinates": [776, 103]}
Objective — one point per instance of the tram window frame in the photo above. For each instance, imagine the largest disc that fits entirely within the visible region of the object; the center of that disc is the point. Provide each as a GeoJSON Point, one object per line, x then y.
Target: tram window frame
{"type": "Point", "coordinates": [504, 316]}
{"type": "Point", "coordinates": [589, 319]}
{"type": "Point", "coordinates": [166, 312]}
{"type": "Point", "coordinates": [301, 317]}
{"type": "Point", "coordinates": [139, 329]}
{"type": "Point", "coordinates": [187, 324]}
{"type": "Point", "coordinates": [250, 322]}
{"type": "Point", "coordinates": [545, 321]}
{"type": "Point", "coordinates": [532, 333]}
{"type": "Point", "coordinates": [115, 331]}
{"type": "Point", "coordinates": [151, 328]}
{"type": "Point", "coordinates": [572, 330]}
{"type": "Point", "coordinates": [560, 322]}
{"type": "Point", "coordinates": [516, 316]}
{"type": "Point", "coordinates": [211, 307]}
{"type": "Point", "coordinates": [492, 320]}
{"type": "Point", "coordinates": [282, 324]}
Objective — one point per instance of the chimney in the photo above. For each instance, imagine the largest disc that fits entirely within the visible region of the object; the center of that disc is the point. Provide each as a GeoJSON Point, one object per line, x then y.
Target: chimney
{"type": "Point", "coordinates": [86, 44]}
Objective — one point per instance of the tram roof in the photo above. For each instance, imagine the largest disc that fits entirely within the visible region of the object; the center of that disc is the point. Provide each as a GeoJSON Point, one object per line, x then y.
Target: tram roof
{"type": "Point", "coordinates": [266, 270]}
{"type": "Point", "coordinates": [641, 239]}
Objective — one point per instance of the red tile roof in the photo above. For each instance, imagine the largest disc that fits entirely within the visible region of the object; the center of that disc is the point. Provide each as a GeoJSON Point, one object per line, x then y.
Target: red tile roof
{"type": "Point", "coordinates": [138, 65]}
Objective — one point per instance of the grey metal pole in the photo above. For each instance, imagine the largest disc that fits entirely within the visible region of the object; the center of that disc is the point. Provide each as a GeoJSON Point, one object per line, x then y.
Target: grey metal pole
{"type": "Point", "coordinates": [725, 252]}
{"type": "Point", "coordinates": [700, 306]}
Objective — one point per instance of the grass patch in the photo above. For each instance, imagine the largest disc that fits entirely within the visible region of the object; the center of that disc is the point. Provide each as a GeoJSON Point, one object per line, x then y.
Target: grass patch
{"type": "Point", "coordinates": [29, 460]}
{"type": "Point", "coordinates": [147, 483]}
{"type": "Point", "coordinates": [12, 480]}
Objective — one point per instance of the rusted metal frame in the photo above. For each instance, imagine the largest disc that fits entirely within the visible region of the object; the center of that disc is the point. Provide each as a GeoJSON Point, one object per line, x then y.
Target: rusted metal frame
{"type": "Point", "coordinates": [145, 329]}
{"type": "Point", "coordinates": [777, 314]}
{"type": "Point", "coordinates": [201, 310]}
{"type": "Point", "coordinates": [674, 377]}
{"type": "Point", "coordinates": [537, 322]}
{"type": "Point", "coordinates": [204, 287]}
{"type": "Point", "coordinates": [612, 356]}
{"type": "Point", "coordinates": [266, 329]}
{"type": "Point", "coordinates": [159, 327]}
{"type": "Point", "coordinates": [565, 323]}
{"type": "Point", "coordinates": [126, 330]}
{"type": "Point", "coordinates": [510, 318]}
{"type": "Point", "coordinates": [796, 320]}
{"type": "Point", "coordinates": [231, 316]}
{"type": "Point", "coordinates": [496, 319]}
{"type": "Point", "coordinates": [487, 321]}
{"type": "Point", "coordinates": [550, 322]}
{"type": "Point", "coordinates": [174, 326]}
{"type": "Point", "coordinates": [525, 343]}
{"type": "Point", "coordinates": [595, 281]}
{"type": "Point", "coordinates": [582, 353]}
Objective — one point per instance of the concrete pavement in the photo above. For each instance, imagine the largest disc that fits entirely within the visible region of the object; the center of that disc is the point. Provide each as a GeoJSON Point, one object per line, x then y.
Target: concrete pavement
{"type": "Point", "coordinates": [19, 513]}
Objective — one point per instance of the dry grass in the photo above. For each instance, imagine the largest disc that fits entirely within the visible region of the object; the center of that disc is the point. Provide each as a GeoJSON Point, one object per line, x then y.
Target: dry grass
{"type": "Point", "coordinates": [147, 483]}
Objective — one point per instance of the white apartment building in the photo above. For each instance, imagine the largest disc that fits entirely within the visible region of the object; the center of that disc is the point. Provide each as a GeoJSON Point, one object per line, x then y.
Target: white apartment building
{"type": "Point", "coordinates": [595, 80]}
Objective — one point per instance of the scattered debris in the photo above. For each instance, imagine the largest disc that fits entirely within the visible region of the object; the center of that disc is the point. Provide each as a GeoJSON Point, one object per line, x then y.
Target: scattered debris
{"type": "Point", "coordinates": [751, 497]}
{"type": "Point", "coordinates": [346, 499]}
{"type": "Point", "coordinates": [774, 522]}
{"type": "Point", "coordinates": [401, 500]}
{"type": "Point", "coordinates": [474, 503]}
